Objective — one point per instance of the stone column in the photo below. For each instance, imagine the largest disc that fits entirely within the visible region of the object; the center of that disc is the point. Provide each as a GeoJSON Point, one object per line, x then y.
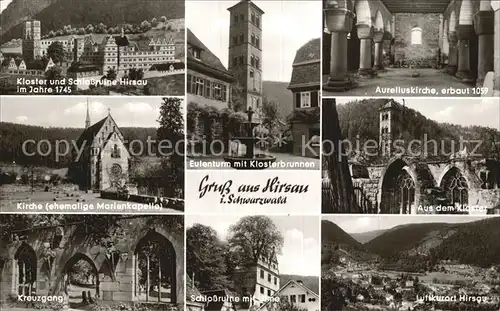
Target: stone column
{"type": "Point", "coordinates": [446, 48]}
{"type": "Point", "coordinates": [453, 52]}
{"type": "Point", "coordinates": [441, 39]}
{"type": "Point", "coordinates": [464, 33]}
{"type": "Point", "coordinates": [484, 22]}
{"type": "Point", "coordinates": [378, 38]}
{"type": "Point", "coordinates": [339, 23]}
{"type": "Point", "coordinates": [365, 34]}
{"type": "Point", "coordinates": [388, 38]}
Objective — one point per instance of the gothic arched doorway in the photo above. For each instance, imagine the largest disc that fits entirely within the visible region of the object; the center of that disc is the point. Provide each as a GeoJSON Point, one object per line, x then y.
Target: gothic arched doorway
{"type": "Point", "coordinates": [455, 186]}
{"type": "Point", "coordinates": [25, 271]}
{"type": "Point", "coordinates": [81, 280]}
{"type": "Point", "coordinates": [398, 190]}
{"type": "Point", "coordinates": [155, 269]}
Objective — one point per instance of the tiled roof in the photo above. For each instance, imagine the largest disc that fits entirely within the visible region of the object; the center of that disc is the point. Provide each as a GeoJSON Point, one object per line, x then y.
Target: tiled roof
{"type": "Point", "coordinates": [89, 134]}
{"type": "Point", "coordinates": [83, 68]}
{"type": "Point", "coordinates": [37, 64]}
{"type": "Point", "coordinates": [122, 41]}
{"type": "Point", "coordinates": [309, 51]}
{"type": "Point", "coordinates": [307, 65]}
{"type": "Point", "coordinates": [207, 57]}
{"type": "Point", "coordinates": [166, 66]}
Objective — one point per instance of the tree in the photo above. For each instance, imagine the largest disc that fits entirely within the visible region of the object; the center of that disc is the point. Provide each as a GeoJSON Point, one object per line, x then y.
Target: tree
{"type": "Point", "coordinates": [171, 130]}
{"type": "Point", "coordinates": [136, 74]}
{"type": "Point", "coordinates": [204, 257]}
{"type": "Point", "coordinates": [111, 74]}
{"type": "Point", "coordinates": [145, 25]}
{"type": "Point", "coordinates": [284, 305]}
{"type": "Point", "coordinates": [54, 74]}
{"type": "Point", "coordinates": [81, 31]}
{"type": "Point", "coordinates": [342, 197]}
{"type": "Point", "coordinates": [89, 28]}
{"type": "Point", "coordinates": [163, 19]}
{"type": "Point", "coordinates": [255, 236]}
{"type": "Point", "coordinates": [56, 52]}
{"type": "Point", "coordinates": [237, 101]}
{"type": "Point", "coordinates": [52, 34]}
{"type": "Point", "coordinates": [101, 28]}
{"type": "Point", "coordinates": [154, 22]}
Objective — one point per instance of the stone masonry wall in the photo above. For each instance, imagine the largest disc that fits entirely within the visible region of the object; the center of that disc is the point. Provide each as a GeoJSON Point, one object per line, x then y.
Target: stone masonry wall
{"type": "Point", "coordinates": [405, 22]}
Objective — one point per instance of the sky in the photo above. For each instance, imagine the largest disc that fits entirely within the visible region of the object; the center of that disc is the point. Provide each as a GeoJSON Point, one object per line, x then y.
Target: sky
{"type": "Point", "coordinates": [285, 28]}
{"type": "Point", "coordinates": [301, 248]}
{"type": "Point", "coordinates": [360, 224]}
{"type": "Point", "coordinates": [462, 111]}
{"type": "Point", "coordinates": [70, 111]}
{"type": "Point", "coordinates": [4, 4]}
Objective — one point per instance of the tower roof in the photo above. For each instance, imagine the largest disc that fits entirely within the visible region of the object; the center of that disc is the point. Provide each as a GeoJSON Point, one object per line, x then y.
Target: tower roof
{"type": "Point", "coordinates": [246, 2]}
{"type": "Point", "coordinates": [391, 105]}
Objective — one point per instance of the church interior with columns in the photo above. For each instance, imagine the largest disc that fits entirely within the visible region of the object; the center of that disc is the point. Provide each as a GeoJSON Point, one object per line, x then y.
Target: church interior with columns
{"type": "Point", "coordinates": [442, 44]}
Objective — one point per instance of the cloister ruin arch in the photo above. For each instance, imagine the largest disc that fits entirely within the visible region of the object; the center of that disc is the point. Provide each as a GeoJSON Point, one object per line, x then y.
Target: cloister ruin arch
{"type": "Point", "coordinates": [399, 188]}
{"type": "Point", "coordinates": [112, 263]}
{"type": "Point", "coordinates": [25, 270]}
{"type": "Point", "coordinates": [154, 255]}
{"type": "Point", "coordinates": [71, 263]}
{"type": "Point", "coordinates": [455, 185]}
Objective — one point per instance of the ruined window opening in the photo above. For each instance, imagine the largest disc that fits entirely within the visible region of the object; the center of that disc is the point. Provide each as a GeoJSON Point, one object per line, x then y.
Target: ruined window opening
{"type": "Point", "coordinates": [405, 192]}
{"type": "Point", "coordinates": [456, 188]}
{"type": "Point", "coordinates": [25, 271]}
{"type": "Point", "coordinates": [81, 276]}
{"type": "Point", "coordinates": [416, 36]}
{"type": "Point", "coordinates": [154, 269]}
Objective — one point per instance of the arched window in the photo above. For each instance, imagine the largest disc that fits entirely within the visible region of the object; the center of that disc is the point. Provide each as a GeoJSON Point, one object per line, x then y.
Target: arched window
{"type": "Point", "coordinates": [416, 36]}
{"type": "Point", "coordinates": [398, 190]}
{"type": "Point", "coordinates": [455, 187]}
{"type": "Point", "coordinates": [115, 153]}
{"type": "Point", "coordinates": [25, 270]}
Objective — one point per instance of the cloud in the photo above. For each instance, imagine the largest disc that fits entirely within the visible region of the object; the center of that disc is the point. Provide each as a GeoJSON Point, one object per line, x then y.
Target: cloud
{"type": "Point", "coordinates": [299, 255]}
{"type": "Point", "coordinates": [142, 108]}
{"type": "Point", "coordinates": [363, 222]}
{"type": "Point", "coordinates": [21, 119]}
{"type": "Point", "coordinates": [81, 108]}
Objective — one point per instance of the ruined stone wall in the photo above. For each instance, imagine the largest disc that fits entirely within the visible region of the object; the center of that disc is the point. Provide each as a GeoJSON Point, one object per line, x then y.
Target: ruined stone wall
{"type": "Point", "coordinates": [117, 286]}
{"type": "Point", "coordinates": [428, 50]}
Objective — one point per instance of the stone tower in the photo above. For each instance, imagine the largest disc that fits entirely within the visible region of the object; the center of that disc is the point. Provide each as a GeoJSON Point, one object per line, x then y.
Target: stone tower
{"type": "Point", "coordinates": [245, 51]}
{"type": "Point", "coordinates": [391, 127]}
{"type": "Point", "coordinates": [268, 278]}
{"type": "Point", "coordinates": [32, 48]}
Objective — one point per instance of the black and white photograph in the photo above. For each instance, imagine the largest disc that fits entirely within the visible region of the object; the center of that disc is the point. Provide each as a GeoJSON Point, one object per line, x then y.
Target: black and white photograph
{"type": "Point", "coordinates": [253, 82]}
{"type": "Point", "coordinates": [418, 263]}
{"type": "Point", "coordinates": [92, 262]}
{"type": "Point", "coordinates": [411, 156]}
{"type": "Point", "coordinates": [252, 263]}
{"type": "Point", "coordinates": [441, 48]}
{"type": "Point", "coordinates": [92, 154]}
{"type": "Point", "coordinates": [95, 47]}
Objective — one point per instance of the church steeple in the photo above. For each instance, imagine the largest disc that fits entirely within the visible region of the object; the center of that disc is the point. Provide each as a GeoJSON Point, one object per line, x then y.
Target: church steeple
{"type": "Point", "coordinates": [87, 120]}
